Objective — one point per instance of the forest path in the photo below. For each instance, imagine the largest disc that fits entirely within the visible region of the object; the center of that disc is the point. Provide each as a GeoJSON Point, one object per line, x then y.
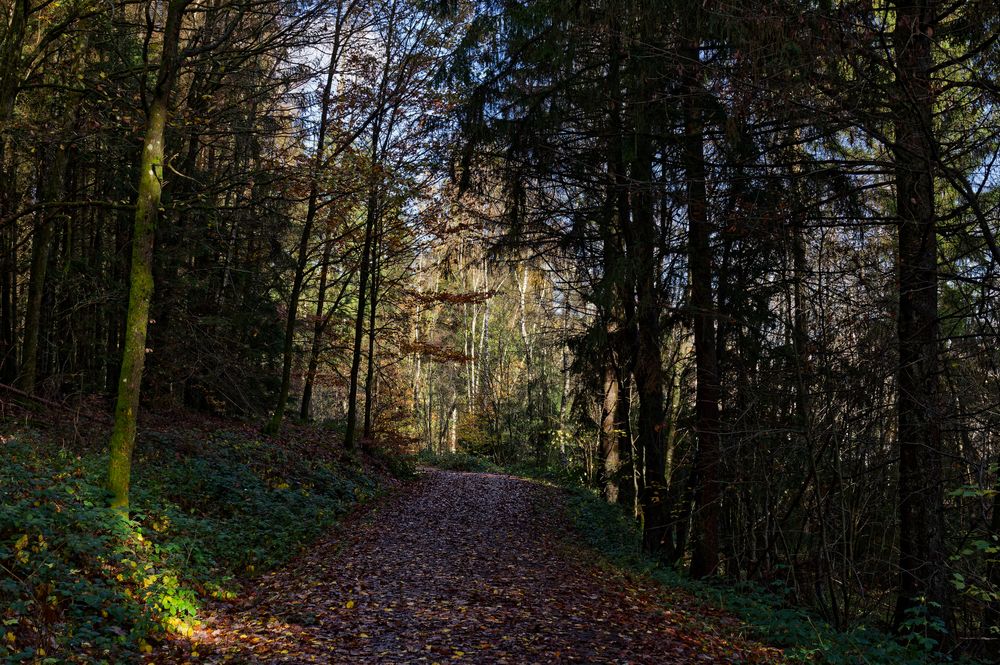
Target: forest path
{"type": "Point", "coordinates": [469, 568]}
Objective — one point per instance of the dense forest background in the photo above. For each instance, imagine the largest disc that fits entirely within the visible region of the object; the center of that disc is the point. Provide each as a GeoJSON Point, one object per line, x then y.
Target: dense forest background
{"type": "Point", "coordinates": [734, 264]}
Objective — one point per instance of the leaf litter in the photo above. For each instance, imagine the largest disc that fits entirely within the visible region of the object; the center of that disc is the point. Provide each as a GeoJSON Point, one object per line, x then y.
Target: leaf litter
{"type": "Point", "coordinates": [462, 568]}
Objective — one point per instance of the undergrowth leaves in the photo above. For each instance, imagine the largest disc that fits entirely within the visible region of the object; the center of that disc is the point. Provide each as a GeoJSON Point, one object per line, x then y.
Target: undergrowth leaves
{"type": "Point", "coordinates": [81, 583]}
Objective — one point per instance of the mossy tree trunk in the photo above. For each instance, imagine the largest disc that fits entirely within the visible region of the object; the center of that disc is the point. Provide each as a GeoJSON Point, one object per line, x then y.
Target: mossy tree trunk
{"type": "Point", "coordinates": [141, 277]}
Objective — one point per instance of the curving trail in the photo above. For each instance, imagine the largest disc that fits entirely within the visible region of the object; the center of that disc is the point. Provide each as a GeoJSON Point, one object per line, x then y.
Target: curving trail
{"type": "Point", "coordinates": [463, 568]}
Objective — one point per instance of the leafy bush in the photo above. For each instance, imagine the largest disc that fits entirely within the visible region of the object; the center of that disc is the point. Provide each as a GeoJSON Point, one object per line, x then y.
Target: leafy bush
{"type": "Point", "coordinates": [566, 476]}
{"type": "Point", "coordinates": [457, 462]}
{"type": "Point", "coordinates": [400, 466]}
{"type": "Point", "coordinates": [82, 583]}
{"type": "Point", "coordinates": [607, 529]}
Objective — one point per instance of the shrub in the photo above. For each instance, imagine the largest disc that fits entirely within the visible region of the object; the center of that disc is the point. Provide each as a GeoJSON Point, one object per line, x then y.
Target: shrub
{"type": "Point", "coordinates": [457, 462]}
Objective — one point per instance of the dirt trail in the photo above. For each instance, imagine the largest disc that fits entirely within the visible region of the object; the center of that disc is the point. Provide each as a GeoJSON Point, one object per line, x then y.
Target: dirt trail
{"type": "Point", "coordinates": [462, 567]}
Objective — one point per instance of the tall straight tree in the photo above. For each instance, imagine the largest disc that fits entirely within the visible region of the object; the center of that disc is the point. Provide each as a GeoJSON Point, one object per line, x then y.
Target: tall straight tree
{"type": "Point", "coordinates": [312, 205]}
{"type": "Point", "coordinates": [611, 291]}
{"type": "Point", "coordinates": [373, 302]}
{"type": "Point", "coordinates": [923, 586]}
{"type": "Point", "coordinates": [705, 555]}
{"type": "Point", "coordinates": [141, 275]}
{"type": "Point", "coordinates": [51, 191]}
{"type": "Point", "coordinates": [648, 367]}
{"type": "Point", "coordinates": [363, 280]}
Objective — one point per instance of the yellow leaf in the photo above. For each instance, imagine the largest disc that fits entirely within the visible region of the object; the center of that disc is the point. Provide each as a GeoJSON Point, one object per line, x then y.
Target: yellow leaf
{"type": "Point", "coordinates": [11, 637]}
{"type": "Point", "coordinates": [21, 543]}
{"type": "Point", "coordinates": [349, 604]}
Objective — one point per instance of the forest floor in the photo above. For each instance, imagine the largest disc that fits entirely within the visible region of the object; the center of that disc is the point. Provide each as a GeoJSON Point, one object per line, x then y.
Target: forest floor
{"type": "Point", "coordinates": [462, 567]}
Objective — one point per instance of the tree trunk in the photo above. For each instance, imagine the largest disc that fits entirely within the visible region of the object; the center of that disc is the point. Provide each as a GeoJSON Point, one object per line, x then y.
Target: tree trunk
{"type": "Point", "coordinates": [274, 424]}
{"type": "Point", "coordinates": [648, 370]}
{"type": "Point", "coordinates": [359, 317]}
{"type": "Point", "coordinates": [613, 297]}
{"type": "Point", "coordinates": [627, 487]}
{"type": "Point", "coordinates": [370, 373]}
{"type": "Point", "coordinates": [8, 274]}
{"type": "Point", "coordinates": [923, 586]}
{"type": "Point", "coordinates": [51, 191]}
{"type": "Point", "coordinates": [453, 440]}
{"type": "Point", "coordinates": [529, 363]}
{"type": "Point", "coordinates": [11, 52]}
{"type": "Point", "coordinates": [610, 468]}
{"type": "Point", "coordinates": [141, 286]}
{"type": "Point", "coordinates": [705, 555]}
{"type": "Point", "coordinates": [317, 340]}
{"type": "Point", "coordinates": [992, 613]}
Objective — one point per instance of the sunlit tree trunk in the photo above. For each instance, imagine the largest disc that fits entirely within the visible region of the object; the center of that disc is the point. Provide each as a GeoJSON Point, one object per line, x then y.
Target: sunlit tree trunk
{"type": "Point", "coordinates": [529, 363]}
{"type": "Point", "coordinates": [141, 277]}
{"type": "Point", "coordinates": [610, 461]}
{"type": "Point", "coordinates": [630, 461]}
{"type": "Point", "coordinates": [453, 439]}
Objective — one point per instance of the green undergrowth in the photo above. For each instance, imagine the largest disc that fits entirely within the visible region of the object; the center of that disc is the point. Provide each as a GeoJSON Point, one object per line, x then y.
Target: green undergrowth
{"type": "Point", "coordinates": [459, 461]}
{"type": "Point", "coordinates": [79, 583]}
{"type": "Point", "coordinates": [400, 466]}
{"type": "Point", "coordinates": [767, 613]}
